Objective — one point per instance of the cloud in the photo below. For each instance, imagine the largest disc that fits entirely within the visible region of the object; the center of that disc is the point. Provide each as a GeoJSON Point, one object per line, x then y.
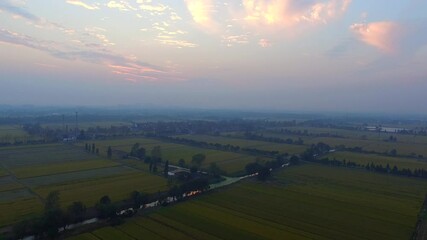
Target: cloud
{"type": "Point", "coordinates": [97, 34]}
{"type": "Point", "coordinates": [6, 6]}
{"type": "Point", "coordinates": [264, 43]}
{"type": "Point", "coordinates": [287, 13]}
{"type": "Point", "coordinates": [148, 6]}
{"type": "Point", "coordinates": [235, 39]}
{"type": "Point", "coordinates": [119, 64]}
{"type": "Point", "coordinates": [176, 43]}
{"type": "Point", "coordinates": [392, 37]}
{"type": "Point", "coordinates": [121, 6]}
{"type": "Point", "coordinates": [82, 4]}
{"type": "Point", "coordinates": [382, 35]}
{"type": "Point", "coordinates": [201, 12]}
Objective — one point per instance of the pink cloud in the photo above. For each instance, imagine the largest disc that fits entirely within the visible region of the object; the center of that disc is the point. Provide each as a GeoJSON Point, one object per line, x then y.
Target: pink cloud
{"type": "Point", "coordinates": [287, 13]}
{"type": "Point", "coordinates": [382, 35]}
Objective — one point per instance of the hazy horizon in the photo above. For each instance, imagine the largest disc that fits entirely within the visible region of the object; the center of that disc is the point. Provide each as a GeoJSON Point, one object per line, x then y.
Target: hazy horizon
{"type": "Point", "coordinates": [309, 56]}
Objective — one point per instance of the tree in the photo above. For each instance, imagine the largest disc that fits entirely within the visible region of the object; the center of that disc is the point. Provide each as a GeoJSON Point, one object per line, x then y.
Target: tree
{"type": "Point", "coordinates": [294, 160]}
{"type": "Point", "coordinates": [156, 154]}
{"type": "Point", "coordinates": [198, 159]}
{"type": "Point", "coordinates": [140, 153]}
{"type": "Point", "coordinates": [109, 152]}
{"type": "Point", "coordinates": [193, 169]}
{"type": "Point", "coordinates": [175, 192]}
{"type": "Point", "coordinates": [52, 201]}
{"type": "Point", "coordinates": [393, 152]}
{"type": "Point", "coordinates": [53, 217]}
{"type": "Point", "coordinates": [215, 170]}
{"type": "Point", "coordinates": [20, 229]}
{"type": "Point", "coordinates": [137, 198]}
{"type": "Point", "coordinates": [252, 168]}
{"type": "Point", "coordinates": [97, 151]}
{"type": "Point", "coordinates": [93, 147]}
{"type": "Point", "coordinates": [134, 150]}
{"type": "Point", "coordinates": [263, 174]}
{"type": "Point", "coordinates": [181, 162]}
{"type": "Point", "coordinates": [105, 208]}
{"type": "Point", "coordinates": [76, 212]}
{"type": "Point", "coordinates": [151, 166]}
{"type": "Point", "coordinates": [166, 169]}
{"type": "Point", "coordinates": [105, 200]}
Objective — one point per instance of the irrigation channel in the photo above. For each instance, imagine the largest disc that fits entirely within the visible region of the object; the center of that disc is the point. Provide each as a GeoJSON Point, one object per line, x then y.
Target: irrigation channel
{"type": "Point", "coordinates": [226, 182]}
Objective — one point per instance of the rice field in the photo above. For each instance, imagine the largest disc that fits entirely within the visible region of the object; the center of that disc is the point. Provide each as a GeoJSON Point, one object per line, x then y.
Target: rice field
{"type": "Point", "coordinates": [19, 209]}
{"type": "Point", "coordinates": [304, 202]}
{"type": "Point", "coordinates": [117, 187]}
{"type": "Point", "coordinates": [77, 176]}
{"type": "Point", "coordinates": [36, 170]}
{"type": "Point", "coordinates": [30, 155]}
{"type": "Point", "coordinates": [57, 168]}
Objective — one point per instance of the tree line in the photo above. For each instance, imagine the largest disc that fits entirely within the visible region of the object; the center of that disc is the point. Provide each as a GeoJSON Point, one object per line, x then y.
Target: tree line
{"type": "Point", "coordinates": [54, 217]}
{"type": "Point", "coordinates": [314, 153]}
{"type": "Point", "coordinates": [221, 147]}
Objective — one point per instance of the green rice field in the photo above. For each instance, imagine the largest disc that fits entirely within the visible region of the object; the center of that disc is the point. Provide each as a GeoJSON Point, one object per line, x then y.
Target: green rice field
{"type": "Point", "coordinates": [28, 173]}
{"type": "Point", "coordinates": [305, 202]}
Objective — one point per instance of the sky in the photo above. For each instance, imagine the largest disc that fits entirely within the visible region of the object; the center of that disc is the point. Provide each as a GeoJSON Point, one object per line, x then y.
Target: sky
{"type": "Point", "coordinates": [288, 55]}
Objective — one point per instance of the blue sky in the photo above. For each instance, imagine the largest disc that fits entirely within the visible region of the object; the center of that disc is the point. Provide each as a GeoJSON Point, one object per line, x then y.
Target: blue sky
{"type": "Point", "coordinates": [334, 55]}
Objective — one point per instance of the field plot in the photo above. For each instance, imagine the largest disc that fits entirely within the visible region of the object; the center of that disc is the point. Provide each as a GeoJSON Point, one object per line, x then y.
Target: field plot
{"type": "Point", "coordinates": [117, 187]}
{"type": "Point", "coordinates": [305, 202]}
{"type": "Point", "coordinates": [85, 236]}
{"type": "Point", "coordinates": [401, 148]}
{"type": "Point", "coordinates": [18, 209]}
{"type": "Point", "coordinates": [283, 136]}
{"type": "Point", "coordinates": [331, 131]}
{"type": "Point", "coordinates": [12, 133]}
{"type": "Point", "coordinates": [348, 142]}
{"type": "Point", "coordinates": [232, 163]}
{"type": "Point", "coordinates": [356, 135]}
{"type": "Point", "coordinates": [56, 168]}
{"type": "Point", "coordinates": [36, 170]}
{"type": "Point", "coordinates": [24, 156]}
{"type": "Point", "coordinates": [364, 159]}
{"type": "Point", "coordinates": [243, 143]}
{"type": "Point", "coordinates": [77, 176]}
{"type": "Point", "coordinates": [7, 184]}
{"type": "Point", "coordinates": [3, 172]}
{"type": "Point", "coordinates": [380, 146]}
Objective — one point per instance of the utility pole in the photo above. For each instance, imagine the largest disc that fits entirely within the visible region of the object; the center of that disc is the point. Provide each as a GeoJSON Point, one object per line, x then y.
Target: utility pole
{"type": "Point", "coordinates": [76, 128]}
{"type": "Point", "coordinates": [63, 122]}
